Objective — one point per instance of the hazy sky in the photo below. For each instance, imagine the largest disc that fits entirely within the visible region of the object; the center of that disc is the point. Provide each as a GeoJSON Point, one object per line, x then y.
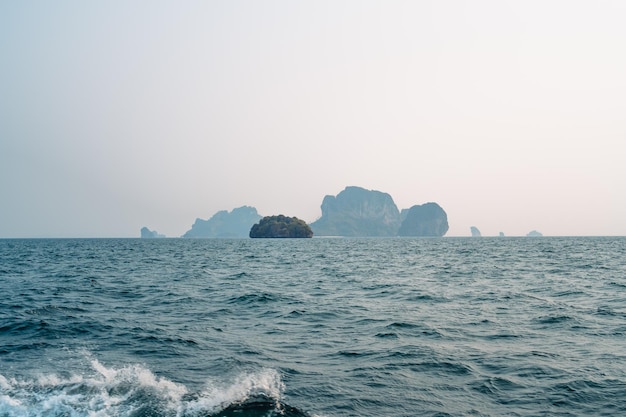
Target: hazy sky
{"type": "Point", "coordinates": [120, 114]}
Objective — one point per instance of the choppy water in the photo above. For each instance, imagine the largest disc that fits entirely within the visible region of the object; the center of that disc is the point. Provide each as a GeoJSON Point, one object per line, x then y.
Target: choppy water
{"type": "Point", "coordinates": [313, 327]}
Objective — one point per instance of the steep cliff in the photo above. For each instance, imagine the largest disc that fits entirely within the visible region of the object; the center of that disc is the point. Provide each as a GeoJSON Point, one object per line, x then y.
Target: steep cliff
{"type": "Point", "coordinates": [356, 211]}
{"type": "Point", "coordinates": [424, 220]}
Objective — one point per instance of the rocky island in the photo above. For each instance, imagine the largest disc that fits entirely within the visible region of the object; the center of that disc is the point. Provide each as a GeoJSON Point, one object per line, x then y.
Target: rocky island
{"type": "Point", "coordinates": [223, 224]}
{"type": "Point", "coordinates": [426, 220]}
{"type": "Point", "coordinates": [356, 211]}
{"type": "Point", "coordinates": [150, 234]}
{"type": "Point", "coordinates": [281, 227]}
{"type": "Point", "coordinates": [475, 232]}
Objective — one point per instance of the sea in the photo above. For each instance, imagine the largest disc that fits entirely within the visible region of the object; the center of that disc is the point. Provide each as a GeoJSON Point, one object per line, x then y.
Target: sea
{"type": "Point", "coordinates": [502, 326]}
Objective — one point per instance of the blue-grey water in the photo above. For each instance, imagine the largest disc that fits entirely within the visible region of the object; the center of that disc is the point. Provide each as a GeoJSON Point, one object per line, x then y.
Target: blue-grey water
{"type": "Point", "coordinates": [313, 327]}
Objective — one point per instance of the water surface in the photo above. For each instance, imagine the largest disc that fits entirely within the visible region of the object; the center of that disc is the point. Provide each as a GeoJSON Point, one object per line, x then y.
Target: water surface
{"type": "Point", "coordinates": [313, 327]}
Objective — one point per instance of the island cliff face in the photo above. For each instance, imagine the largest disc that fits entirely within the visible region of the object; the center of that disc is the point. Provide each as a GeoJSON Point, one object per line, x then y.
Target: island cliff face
{"type": "Point", "coordinates": [427, 220]}
{"type": "Point", "coordinates": [356, 211]}
{"type": "Point", "coordinates": [223, 224]}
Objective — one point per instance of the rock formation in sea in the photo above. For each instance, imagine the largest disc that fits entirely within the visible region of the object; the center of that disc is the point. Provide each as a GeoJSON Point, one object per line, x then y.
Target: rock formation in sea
{"type": "Point", "coordinates": [223, 224]}
{"type": "Point", "coordinates": [475, 231]}
{"type": "Point", "coordinates": [150, 234]}
{"type": "Point", "coordinates": [534, 233]}
{"type": "Point", "coordinates": [281, 227]}
{"type": "Point", "coordinates": [424, 220]}
{"type": "Point", "coordinates": [356, 211]}
{"type": "Point", "coordinates": [501, 234]}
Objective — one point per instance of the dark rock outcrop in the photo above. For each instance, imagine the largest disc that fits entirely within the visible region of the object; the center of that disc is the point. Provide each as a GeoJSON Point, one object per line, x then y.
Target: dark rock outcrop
{"type": "Point", "coordinates": [475, 231]}
{"type": "Point", "coordinates": [223, 224]}
{"type": "Point", "coordinates": [150, 234]}
{"type": "Point", "coordinates": [428, 220]}
{"type": "Point", "coordinates": [281, 227]}
{"type": "Point", "coordinates": [356, 211]}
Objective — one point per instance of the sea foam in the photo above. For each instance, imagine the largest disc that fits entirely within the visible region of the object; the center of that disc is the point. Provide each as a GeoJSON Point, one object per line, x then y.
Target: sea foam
{"type": "Point", "coordinates": [129, 390]}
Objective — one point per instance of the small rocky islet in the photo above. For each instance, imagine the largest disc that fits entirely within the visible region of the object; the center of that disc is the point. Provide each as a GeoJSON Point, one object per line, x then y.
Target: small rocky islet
{"type": "Point", "coordinates": [281, 227]}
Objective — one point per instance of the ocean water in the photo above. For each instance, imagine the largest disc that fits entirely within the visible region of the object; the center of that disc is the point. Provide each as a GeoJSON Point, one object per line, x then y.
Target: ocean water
{"type": "Point", "coordinates": [313, 327]}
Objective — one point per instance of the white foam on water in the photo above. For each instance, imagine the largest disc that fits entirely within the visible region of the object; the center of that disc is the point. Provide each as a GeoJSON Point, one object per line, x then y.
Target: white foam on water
{"type": "Point", "coordinates": [109, 391]}
{"type": "Point", "coordinates": [265, 383]}
{"type": "Point", "coordinates": [4, 383]}
{"type": "Point", "coordinates": [138, 376]}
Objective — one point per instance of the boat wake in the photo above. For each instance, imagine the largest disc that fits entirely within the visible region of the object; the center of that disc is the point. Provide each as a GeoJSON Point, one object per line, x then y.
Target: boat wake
{"type": "Point", "coordinates": [136, 391]}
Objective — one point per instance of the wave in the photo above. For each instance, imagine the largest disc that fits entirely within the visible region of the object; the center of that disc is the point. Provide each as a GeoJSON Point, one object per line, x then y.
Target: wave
{"type": "Point", "coordinates": [136, 391]}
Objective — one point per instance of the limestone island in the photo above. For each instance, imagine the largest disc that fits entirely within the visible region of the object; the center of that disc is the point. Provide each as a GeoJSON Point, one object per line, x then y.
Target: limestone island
{"type": "Point", "coordinates": [357, 212]}
{"type": "Point", "coordinates": [475, 232]}
{"type": "Point", "coordinates": [224, 224]}
{"type": "Point", "coordinates": [424, 220]}
{"type": "Point", "coordinates": [281, 227]}
{"type": "Point", "coordinates": [150, 234]}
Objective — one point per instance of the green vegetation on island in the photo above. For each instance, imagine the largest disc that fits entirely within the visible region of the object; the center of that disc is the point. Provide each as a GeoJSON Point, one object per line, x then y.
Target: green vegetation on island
{"type": "Point", "coordinates": [281, 227]}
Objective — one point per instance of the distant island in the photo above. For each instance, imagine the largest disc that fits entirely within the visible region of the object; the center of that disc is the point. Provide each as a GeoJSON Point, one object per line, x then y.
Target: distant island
{"type": "Point", "coordinates": [356, 211]}
{"type": "Point", "coordinates": [475, 232]}
{"type": "Point", "coordinates": [534, 233]}
{"type": "Point", "coordinates": [150, 234]}
{"type": "Point", "coordinates": [281, 227]}
{"type": "Point", "coordinates": [223, 224]}
{"type": "Point", "coordinates": [426, 220]}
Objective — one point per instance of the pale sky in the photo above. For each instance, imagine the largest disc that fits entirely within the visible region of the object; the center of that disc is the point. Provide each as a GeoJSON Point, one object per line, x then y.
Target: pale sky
{"type": "Point", "coordinates": [120, 114]}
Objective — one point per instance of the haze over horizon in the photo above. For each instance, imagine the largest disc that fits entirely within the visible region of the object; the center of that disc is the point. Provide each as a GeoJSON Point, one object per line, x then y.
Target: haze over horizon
{"type": "Point", "coordinates": [118, 115]}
